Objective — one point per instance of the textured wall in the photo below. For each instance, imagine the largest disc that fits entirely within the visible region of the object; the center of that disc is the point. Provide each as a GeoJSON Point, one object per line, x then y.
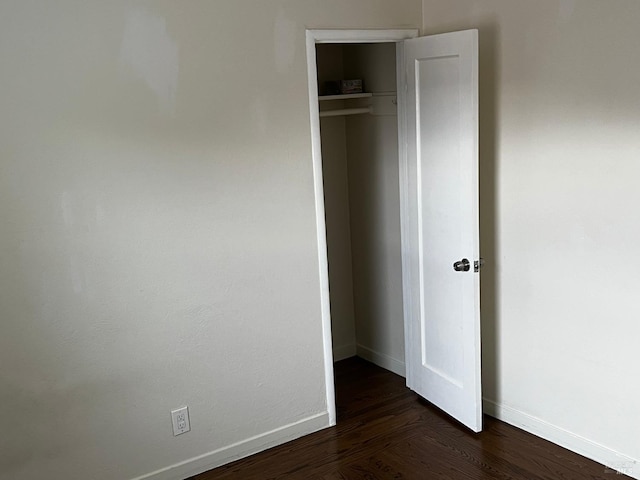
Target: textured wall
{"type": "Point", "coordinates": [158, 242]}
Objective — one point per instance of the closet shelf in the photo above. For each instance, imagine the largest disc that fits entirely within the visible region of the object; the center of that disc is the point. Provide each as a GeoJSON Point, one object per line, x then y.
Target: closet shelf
{"type": "Point", "coordinates": [345, 111]}
{"type": "Point", "coordinates": [345, 96]}
{"type": "Point", "coordinates": [378, 103]}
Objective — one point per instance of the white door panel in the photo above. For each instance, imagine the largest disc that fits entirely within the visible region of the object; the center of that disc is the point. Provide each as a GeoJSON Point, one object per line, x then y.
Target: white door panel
{"type": "Point", "coordinates": [440, 222]}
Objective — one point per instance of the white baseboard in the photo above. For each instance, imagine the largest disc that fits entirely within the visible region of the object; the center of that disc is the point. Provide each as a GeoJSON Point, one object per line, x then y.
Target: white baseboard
{"type": "Point", "coordinates": [613, 461]}
{"type": "Point", "coordinates": [222, 456]}
{"type": "Point", "coordinates": [382, 360]}
{"type": "Point", "coordinates": [344, 351]}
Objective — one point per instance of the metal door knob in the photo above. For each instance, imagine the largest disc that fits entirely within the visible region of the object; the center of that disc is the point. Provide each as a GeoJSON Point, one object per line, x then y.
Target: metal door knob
{"type": "Point", "coordinates": [462, 266]}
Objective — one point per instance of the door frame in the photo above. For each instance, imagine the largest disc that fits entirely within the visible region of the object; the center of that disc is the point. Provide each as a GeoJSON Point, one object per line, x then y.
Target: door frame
{"type": "Point", "coordinates": [314, 37]}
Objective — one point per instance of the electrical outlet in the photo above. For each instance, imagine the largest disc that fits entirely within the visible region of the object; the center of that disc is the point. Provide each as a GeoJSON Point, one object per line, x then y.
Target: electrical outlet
{"type": "Point", "coordinates": [180, 420]}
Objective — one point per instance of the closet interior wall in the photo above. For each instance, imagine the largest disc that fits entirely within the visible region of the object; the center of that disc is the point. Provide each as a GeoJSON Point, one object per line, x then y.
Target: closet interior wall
{"type": "Point", "coordinates": [362, 208]}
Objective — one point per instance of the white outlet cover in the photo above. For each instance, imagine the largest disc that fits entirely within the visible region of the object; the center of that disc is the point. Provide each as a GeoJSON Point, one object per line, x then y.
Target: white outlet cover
{"type": "Point", "coordinates": [180, 420]}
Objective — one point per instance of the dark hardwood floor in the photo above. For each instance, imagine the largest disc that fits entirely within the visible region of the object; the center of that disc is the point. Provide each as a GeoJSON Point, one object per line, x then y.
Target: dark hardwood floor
{"type": "Point", "coordinates": [386, 432]}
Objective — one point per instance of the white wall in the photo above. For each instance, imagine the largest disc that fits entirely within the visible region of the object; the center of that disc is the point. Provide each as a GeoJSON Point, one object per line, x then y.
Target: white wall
{"type": "Point", "coordinates": [560, 150]}
{"type": "Point", "coordinates": [158, 242]}
{"type": "Point", "coordinates": [372, 152]}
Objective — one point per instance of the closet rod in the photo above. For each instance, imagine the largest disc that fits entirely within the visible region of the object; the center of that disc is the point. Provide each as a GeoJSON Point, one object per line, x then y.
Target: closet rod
{"type": "Point", "coordinates": [345, 111]}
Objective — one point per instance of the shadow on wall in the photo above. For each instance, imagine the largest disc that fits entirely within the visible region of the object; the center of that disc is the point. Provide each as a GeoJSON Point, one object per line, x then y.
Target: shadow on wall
{"type": "Point", "coordinates": [488, 34]}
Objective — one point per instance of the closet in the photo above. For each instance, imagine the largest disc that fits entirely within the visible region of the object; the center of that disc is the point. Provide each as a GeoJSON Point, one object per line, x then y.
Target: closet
{"type": "Point", "coordinates": [359, 143]}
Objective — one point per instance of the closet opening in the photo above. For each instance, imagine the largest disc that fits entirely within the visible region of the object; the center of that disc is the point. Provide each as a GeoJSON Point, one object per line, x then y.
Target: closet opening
{"type": "Point", "coordinates": [357, 103]}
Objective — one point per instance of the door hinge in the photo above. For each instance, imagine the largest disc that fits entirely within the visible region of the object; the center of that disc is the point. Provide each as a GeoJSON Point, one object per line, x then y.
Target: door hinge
{"type": "Point", "coordinates": [477, 265]}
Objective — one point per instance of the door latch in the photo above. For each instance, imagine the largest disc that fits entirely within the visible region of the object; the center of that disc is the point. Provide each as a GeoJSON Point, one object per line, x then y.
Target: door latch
{"type": "Point", "coordinates": [477, 265]}
{"type": "Point", "coordinates": [462, 266]}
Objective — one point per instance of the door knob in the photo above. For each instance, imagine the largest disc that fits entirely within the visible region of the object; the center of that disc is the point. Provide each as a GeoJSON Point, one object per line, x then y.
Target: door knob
{"type": "Point", "coordinates": [462, 266]}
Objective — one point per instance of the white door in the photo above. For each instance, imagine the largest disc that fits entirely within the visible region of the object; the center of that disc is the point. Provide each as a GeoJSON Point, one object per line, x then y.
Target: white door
{"type": "Point", "coordinates": [440, 226]}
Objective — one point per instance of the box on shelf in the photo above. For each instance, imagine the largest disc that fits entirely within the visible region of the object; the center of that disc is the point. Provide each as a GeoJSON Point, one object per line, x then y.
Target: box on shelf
{"type": "Point", "coordinates": [350, 86]}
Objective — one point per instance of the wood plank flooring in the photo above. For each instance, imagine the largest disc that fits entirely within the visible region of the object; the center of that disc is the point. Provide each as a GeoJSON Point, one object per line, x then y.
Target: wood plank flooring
{"type": "Point", "coordinates": [387, 432]}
